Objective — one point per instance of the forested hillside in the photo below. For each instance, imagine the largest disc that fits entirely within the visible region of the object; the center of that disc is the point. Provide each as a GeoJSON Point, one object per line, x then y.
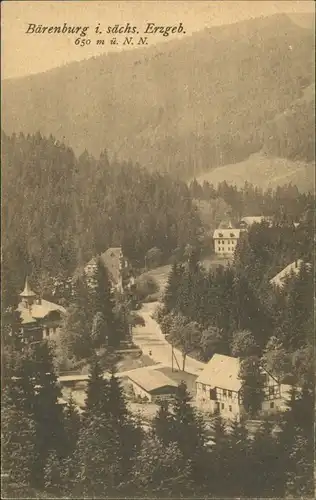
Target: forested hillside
{"type": "Point", "coordinates": [185, 106]}
{"type": "Point", "coordinates": [58, 210]}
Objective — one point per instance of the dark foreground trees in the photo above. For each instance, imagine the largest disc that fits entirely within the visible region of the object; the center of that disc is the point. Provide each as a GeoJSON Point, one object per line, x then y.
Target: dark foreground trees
{"type": "Point", "coordinates": [105, 452]}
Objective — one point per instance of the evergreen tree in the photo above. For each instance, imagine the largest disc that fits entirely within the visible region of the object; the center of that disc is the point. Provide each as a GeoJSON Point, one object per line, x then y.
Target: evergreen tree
{"type": "Point", "coordinates": [72, 425]}
{"type": "Point", "coordinates": [219, 455]}
{"type": "Point", "coordinates": [163, 424]}
{"type": "Point", "coordinates": [298, 316]}
{"type": "Point", "coordinates": [297, 442]}
{"type": "Point", "coordinates": [172, 288]}
{"type": "Point", "coordinates": [102, 301]}
{"type": "Point", "coordinates": [189, 432]}
{"type": "Point", "coordinates": [265, 467]}
{"type": "Point", "coordinates": [50, 432]}
{"type": "Point", "coordinates": [76, 333]}
{"type": "Point", "coordinates": [160, 471]}
{"type": "Point", "coordinates": [238, 460]}
{"type": "Point", "coordinates": [97, 392]}
{"type": "Point", "coordinates": [18, 435]}
{"type": "Point", "coordinates": [99, 330]}
{"type": "Point", "coordinates": [252, 385]}
{"type": "Point", "coordinates": [124, 427]}
{"type": "Point", "coordinates": [93, 470]}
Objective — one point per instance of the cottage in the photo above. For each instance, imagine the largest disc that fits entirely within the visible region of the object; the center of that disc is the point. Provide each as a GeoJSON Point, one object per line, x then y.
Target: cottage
{"type": "Point", "coordinates": [225, 241]}
{"type": "Point", "coordinates": [117, 266]}
{"type": "Point", "coordinates": [151, 385]}
{"type": "Point", "coordinates": [247, 222]}
{"type": "Point", "coordinates": [218, 389]}
{"type": "Point", "coordinates": [40, 318]}
{"type": "Point", "coordinates": [292, 269]}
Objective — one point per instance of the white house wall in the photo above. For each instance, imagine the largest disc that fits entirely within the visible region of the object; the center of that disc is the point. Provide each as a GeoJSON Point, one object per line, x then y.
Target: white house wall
{"type": "Point", "coordinates": [226, 402]}
{"type": "Point", "coordinates": [225, 246]}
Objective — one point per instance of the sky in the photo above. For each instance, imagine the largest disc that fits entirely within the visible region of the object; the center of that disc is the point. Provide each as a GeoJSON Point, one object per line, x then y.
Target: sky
{"type": "Point", "coordinates": [23, 54]}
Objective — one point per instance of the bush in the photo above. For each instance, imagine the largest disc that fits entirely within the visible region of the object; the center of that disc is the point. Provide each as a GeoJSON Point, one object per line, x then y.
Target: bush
{"type": "Point", "coordinates": [154, 297]}
{"type": "Point", "coordinates": [145, 285]}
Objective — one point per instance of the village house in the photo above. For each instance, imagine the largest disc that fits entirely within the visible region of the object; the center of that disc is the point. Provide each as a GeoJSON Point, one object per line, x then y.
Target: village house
{"type": "Point", "coordinates": [225, 241]}
{"type": "Point", "coordinates": [218, 389]}
{"type": "Point", "coordinates": [247, 222]}
{"type": "Point", "coordinates": [151, 385]}
{"type": "Point", "coordinates": [40, 318]}
{"type": "Point", "coordinates": [289, 271]}
{"type": "Point", "coordinates": [117, 266]}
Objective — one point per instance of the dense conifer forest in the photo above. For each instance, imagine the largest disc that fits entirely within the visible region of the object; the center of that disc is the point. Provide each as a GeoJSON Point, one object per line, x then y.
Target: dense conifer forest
{"type": "Point", "coordinates": [59, 210]}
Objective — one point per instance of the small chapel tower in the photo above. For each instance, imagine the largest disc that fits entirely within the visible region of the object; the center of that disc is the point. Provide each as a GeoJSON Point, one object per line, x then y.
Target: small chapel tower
{"type": "Point", "coordinates": [27, 296]}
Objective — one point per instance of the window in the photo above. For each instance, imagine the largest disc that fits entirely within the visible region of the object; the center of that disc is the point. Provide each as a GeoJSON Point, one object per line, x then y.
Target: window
{"type": "Point", "coordinates": [272, 404]}
{"type": "Point", "coordinates": [223, 406]}
{"type": "Point", "coordinates": [203, 387]}
{"type": "Point", "coordinates": [271, 390]}
{"type": "Point", "coordinates": [230, 394]}
{"type": "Point", "coordinates": [224, 392]}
{"type": "Point", "coordinates": [230, 408]}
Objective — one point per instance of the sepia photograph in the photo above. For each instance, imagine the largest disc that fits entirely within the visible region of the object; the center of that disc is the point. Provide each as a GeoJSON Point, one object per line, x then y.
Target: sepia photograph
{"type": "Point", "coordinates": [158, 249]}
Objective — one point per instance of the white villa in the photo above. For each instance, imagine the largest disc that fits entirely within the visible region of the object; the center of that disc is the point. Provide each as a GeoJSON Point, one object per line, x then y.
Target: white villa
{"type": "Point", "coordinates": [218, 389]}
{"type": "Point", "coordinates": [225, 241]}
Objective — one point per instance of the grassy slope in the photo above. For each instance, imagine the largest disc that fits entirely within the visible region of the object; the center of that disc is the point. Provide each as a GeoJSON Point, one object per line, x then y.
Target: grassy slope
{"type": "Point", "coordinates": [263, 171]}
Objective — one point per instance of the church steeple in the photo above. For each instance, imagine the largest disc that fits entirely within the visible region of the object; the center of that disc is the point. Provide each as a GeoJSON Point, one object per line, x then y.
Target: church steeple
{"type": "Point", "coordinates": [28, 296]}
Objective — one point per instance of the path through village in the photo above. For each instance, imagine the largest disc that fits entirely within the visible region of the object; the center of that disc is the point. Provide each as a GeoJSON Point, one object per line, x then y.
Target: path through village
{"type": "Point", "coordinates": [150, 337]}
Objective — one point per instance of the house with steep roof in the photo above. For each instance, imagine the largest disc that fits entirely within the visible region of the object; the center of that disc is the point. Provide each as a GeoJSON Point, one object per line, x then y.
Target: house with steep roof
{"type": "Point", "coordinates": [218, 389]}
{"type": "Point", "coordinates": [151, 385]}
{"type": "Point", "coordinates": [40, 318]}
{"type": "Point", "coordinates": [117, 266]}
{"type": "Point", "coordinates": [289, 271]}
{"type": "Point", "coordinates": [225, 241]}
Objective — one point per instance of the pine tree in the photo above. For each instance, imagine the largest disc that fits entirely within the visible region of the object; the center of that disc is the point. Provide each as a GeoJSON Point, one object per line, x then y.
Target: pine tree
{"type": "Point", "coordinates": [18, 435]}
{"type": "Point", "coordinates": [265, 465]}
{"type": "Point", "coordinates": [296, 442]}
{"type": "Point", "coordinates": [160, 471]}
{"type": "Point", "coordinates": [252, 385]}
{"type": "Point", "coordinates": [97, 393]}
{"type": "Point", "coordinates": [189, 432]}
{"type": "Point", "coordinates": [219, 455]}
{"type": "Point", "coordinates": [50, 433]}
{"type": "Point", "coordinates": [237, 480]}
{"type": "Point", "coordinates": [72, 425]}
{"type": "Point", "coordinates": [93, 470]}
{"type": "Point", "coordinates": [125, 428]}
{"type": "Point", "coordinates": [102, 301]}
{"type": "Point", "coordinates": [76, 334]}
{"type": "Point", "coordinates": [108, 441]}
{"type": "Point", "coordinates": [163, 424]}
{"type": "Point", "coordinates": [99, 330]}
{"type": "Point", "coordinates": [172, 288]}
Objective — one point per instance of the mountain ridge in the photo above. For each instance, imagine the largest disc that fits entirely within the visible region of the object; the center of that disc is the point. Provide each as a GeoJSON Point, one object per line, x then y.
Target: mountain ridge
{"type": "Point", "coordinates": [183, 106]}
